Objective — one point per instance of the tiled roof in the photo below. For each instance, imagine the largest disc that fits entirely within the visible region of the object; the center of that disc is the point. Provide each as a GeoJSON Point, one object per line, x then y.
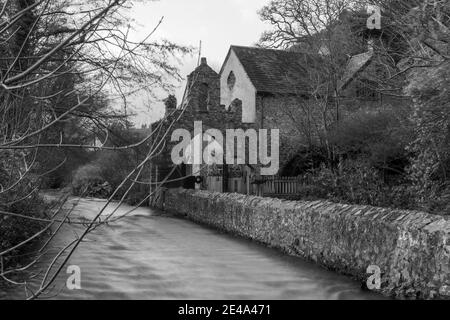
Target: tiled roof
{"type": "Point", "coordinates": [273, 71]}
{"type": "Point", "coordinates": [283, 72]}
{"type": "Point", "coordinates": [356, 65]}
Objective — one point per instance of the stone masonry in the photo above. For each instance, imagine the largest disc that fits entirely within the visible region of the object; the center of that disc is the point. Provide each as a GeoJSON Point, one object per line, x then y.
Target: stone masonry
{"type": "Point", "coordinates": [412, 249]}
{"type": "Point", "coordinates": [201, 103]}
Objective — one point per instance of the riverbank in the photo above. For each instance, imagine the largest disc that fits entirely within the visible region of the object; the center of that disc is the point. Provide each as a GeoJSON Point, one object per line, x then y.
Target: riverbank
{"type": "Point", "coordinates": [151, 255]}
{"type": "Point", "coordinates": [411, 249]}
{"type": "Point", "coordinates": [18, 223]}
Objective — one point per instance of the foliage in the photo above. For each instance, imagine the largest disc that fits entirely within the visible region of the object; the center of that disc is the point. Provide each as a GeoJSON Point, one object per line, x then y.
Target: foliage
{"type": "Point", "coordinates": [107, 169]}
{"type": "Point", "coordinates": [382, 155]}
{"type": "Point", "coordinates": [379, 137]}
{"type": "Point", "coordinates": [68, 70]}
{"type": "Point", "coordinates": [328, 33]}
{"type": "Point", "coordinates": [103, 175]}
{"type": "Point", "coordinates": [430, 168]}
{"type": "Point", "coordinates": [23, 199]}
{"type": "Point", "coordinates": [305, 160]}
{"type": "Point", "coordinates": [357, 183]}
{"type": "Point", "coordinates": [16, 230]}
{"type": "Point", "coordinates": [86, 181]}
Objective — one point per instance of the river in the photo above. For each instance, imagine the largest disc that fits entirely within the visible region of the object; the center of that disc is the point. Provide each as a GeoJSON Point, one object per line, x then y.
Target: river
{"type": "Point", "coordinates": [152, 256]}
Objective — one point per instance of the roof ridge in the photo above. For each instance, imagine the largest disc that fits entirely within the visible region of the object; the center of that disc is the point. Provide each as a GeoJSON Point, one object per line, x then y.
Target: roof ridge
{"type": "Point", "coordinates": [200, 66]}
{"type": "Point", "coordinates": [258, 48]}
{"type": "Point", "coordinates": [271, 70]}
{"type": "Point", "coordinates": [363, 53]}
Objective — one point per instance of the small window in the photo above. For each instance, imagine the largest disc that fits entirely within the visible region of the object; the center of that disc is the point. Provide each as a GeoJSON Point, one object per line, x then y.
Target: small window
{"type": "Point", "coordinates": [236, 105]}
{"type": "Point", "coordinates": [231, 81]}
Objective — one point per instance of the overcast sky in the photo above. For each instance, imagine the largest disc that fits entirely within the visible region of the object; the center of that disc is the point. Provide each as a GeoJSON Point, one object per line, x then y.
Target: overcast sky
{"type": "Point", "coordinates": [217, 23]}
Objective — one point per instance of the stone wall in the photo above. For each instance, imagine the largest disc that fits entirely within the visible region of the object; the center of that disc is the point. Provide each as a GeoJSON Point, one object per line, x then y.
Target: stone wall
{"type": "Point", "coordinates": [203, 75]}
{"type": "Point", "coordinates": [215, 117]}
{"type": "Point", "coordinates": [412, 249]}
{"type": "Point", "coordinates": [278, 112]}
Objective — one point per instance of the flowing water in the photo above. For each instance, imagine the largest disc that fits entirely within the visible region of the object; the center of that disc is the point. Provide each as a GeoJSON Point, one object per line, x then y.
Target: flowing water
{"type": "Point", "coordinates": [151, 256]}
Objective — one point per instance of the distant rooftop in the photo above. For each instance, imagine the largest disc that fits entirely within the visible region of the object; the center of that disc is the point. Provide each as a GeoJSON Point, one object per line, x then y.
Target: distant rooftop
{"type": "Point", "coordinates": [283, 72]}
{"type": "Point", "coordinates": [356, 65]}
{"type": "Point", "coordinates": [273, 71]}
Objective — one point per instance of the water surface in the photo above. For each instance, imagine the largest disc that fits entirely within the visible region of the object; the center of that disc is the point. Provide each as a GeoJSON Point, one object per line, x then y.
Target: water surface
{"type": "Point", "coordinates": [150, 256]}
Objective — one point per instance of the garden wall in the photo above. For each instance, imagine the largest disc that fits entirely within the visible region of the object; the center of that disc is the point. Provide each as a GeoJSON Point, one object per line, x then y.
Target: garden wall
{"type": "Point", "coordinates": [412, 249]}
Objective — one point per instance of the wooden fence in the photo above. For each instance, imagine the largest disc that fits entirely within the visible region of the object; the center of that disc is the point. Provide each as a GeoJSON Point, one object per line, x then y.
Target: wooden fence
{"type": "Point", "coordinates": [281, 186]}
{"type": "Point", "coordinates": [235, 185]}
{"type": "Point", "coordinates": [269, 186]}
{"type": "Point", "coordinates": [214, 184]}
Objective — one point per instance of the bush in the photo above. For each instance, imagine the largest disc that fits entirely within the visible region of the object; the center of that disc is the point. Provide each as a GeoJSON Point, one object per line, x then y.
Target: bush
{"type": "Point", "coordinates": [115, 166]}
{"type": "Point", "coordinates": [305, 160]}
{"type": "Point", "coordinates": [22, 198]}
{"type": "Point", "coordinates": [430, 163]}
{"type": "Point", "coordinates": [66, 161]}
{"type": "Point", "coordinates": [105, 174]}
{"type": "Point", "coordinates": [357, 183]}
{"type": "Point", "coordinates": [369, 162]}
{"type": "Point", "coordinates": [88, 181]}
{"type": "Point", "coordinates": [15, 230]}
{"type": "Point", "coordinates": [379, 138]}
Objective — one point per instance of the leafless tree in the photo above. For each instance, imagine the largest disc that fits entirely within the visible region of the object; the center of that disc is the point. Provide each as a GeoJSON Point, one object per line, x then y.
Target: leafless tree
{"type": "Point", "coordinates": [338, 46]}
{"type": "Point", "coordinates": [321, 30]}
{"type": "Point", "coordinates": [59, 59]}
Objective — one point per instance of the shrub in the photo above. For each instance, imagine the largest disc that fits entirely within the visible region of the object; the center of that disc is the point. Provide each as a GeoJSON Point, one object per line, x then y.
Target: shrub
{"type": "Point", "coordinates": [14, 230]}
{"type": "Point", "coordinates": [66, 161]}
{"type": "Point", "coordinates": [86, 181]}
{"type": "Point", "coordinates": [305, 160]}
{"type": "Point", "coordinates": [357, 183]}
{"type": "Point", "coordinates": [105, 174]}
{"type": "Point", "coordinates": [430, 163]}
{"type": "Point", "coordinates": [18, 198]}
{"type": "Point", "coordinates": [115, 166]}
{"type": "Point", "coordinates": [378, 137]}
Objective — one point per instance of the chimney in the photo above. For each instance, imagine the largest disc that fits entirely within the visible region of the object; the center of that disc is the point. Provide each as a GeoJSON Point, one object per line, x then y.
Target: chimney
{"type": "Point", "coordinates": [204, 61]}
{"type": "Point", "coordinates": [171, 104]}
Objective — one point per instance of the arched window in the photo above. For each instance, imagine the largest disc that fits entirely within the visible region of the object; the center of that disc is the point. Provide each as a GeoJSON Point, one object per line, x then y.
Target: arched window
{"type": "Point", "coordinates": [236, 105]}
{"type": "Point", "coordinates": [203, 97]}
{"type": "Point", "coordinates": [231, 81]}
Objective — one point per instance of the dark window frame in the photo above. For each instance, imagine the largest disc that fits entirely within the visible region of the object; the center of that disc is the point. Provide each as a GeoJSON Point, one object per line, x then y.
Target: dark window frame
{"type": "Point", "coordinates": [203, 97]}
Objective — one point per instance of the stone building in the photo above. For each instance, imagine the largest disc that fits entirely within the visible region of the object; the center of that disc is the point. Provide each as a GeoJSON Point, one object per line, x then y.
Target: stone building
{"type": "Point", "coordinates": [202, 92]}
{"type": "Point", "coordinates": [201, 102]}
{"type": "Point", "coordinates": [361, 85]}
{"type": "Point", "coordinates": [269, 85]}
{"type": "Point", "coordinates": [273, 89]}
{"type": "Point", "coordinates": [249, 75]}
{"type": "Point", "coordinates": [260, 89]}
